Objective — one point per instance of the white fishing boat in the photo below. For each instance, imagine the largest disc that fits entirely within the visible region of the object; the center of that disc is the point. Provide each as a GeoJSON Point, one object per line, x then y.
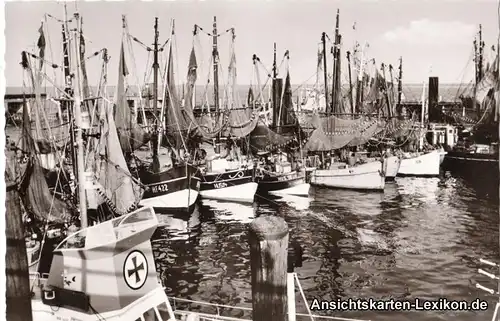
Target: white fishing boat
{"type": "Point", "coordinates": [391, 167]}
{"type": "Point", "coordinates": [420, 164]}
{"type": "Point", "coordinates": [368, 176]}
{"type": "Point", "coordinates": [228, 181]}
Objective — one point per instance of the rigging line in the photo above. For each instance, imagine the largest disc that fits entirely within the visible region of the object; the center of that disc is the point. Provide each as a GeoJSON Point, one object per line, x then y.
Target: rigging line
{"type": "Point", "coordinates": [50, 46]}
{"type": "Point", "coordinates": [176, 70]}
{"type": "Point", "coordinates": [134, 69]}
{"type": "Point", "coordinates": [53, 65]}
{"type": "Point", "coordinates": [138, 41]}
{"type": "Point", "coordinates": [51, 136]}
{"type": "Point", "coordinates": [163, 109]}
{"type": "Point", "coordinates": [57, 19]}
{"type": "Point", "coordinates": [462, 73]}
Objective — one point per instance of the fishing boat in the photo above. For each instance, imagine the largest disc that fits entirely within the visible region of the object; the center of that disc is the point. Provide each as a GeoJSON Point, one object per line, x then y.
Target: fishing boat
{"type": "Point", "coordinates": [224, 175]}
{"type": "Point", "coordinates": [420, 164]}
{"type": "Point", "coordinates": [475, 156]}
{"type": "Point", "coordinates": [424, 160]}
{"type": "Point", "coordinates": [368, 176]}
{"type": "Point", "coordinates": [331, 132]}
{"type": "Point", "coordinates": [174, 186]}
{"type": "Point", "coordinates": [278, 145]}
{"type": "Point", "coordinates": [392, 164]}
{"type": "Point", "coordinates": [102, 186]}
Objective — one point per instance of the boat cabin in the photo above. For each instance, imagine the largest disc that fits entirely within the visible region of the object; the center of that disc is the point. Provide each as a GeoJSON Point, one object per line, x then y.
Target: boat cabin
{"type": "Point", "coordinates": [442, 134]}
{"type": "Point", "coordinates": [107, 269]}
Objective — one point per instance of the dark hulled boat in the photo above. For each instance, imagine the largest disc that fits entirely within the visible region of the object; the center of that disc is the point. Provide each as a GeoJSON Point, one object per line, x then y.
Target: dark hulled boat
{"type": "Point", "coordinates": [222, 178]}
{"type": "Point", "coordinates": [475, 157]}
{"type": "Point", "coordinates": [170, 190]}
{"type": "Point", "coordinates": [177, 187]}
{"type": "Point", "coordinates": [279, 177]}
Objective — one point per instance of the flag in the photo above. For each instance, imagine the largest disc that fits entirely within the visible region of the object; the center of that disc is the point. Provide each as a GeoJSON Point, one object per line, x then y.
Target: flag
{"type": "Point", "coordinates": [41, 45]}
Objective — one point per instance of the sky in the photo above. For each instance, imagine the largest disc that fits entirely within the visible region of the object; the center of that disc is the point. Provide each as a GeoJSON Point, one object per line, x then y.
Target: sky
{"type": "Point", "coordinates": [434, 38]}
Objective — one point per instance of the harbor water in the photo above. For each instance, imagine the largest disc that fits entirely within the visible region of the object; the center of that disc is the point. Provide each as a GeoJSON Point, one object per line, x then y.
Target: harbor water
{"type": "Point", "coordinates": [422, 238]}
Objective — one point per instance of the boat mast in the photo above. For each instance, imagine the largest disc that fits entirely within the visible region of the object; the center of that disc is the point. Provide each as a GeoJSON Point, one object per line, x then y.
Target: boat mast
{"type": "Point", "coordinates": [360, 87]}
{"type": "Point", "coordinates": [480, 63]}
{"type": "Point", "coordinates": [350, 81]}
{"type": "Point", "coordinates": [391, 108]}
{"type": "Point", "coordinates": [323, 40]}
{"type": "Point", "coordinates": [336, 58]}
{"type": "Point", "coordinates": [276, 96]}
{"type": "Point", "coordinates": [67, 83]}
{"type": "Point", "coordinates": [82, 197]}
{"type": "Point", "coordinates": [400, 85]}
{"type": "Point", "coordinates": [156, 66]}
{"type": "Point", "coordinates": [386, 94]}
{"type": "Point", "coordinates": [215, 55]}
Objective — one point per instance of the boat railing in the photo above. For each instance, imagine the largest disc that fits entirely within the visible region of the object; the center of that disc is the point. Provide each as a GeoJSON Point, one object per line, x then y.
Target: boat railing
{"type": "Point", "coordinates": [491, 291]}
{"type": "Point", "coordinates": [110, 231]}
{"type": "Point", "coordinates": [221, 307]}
{"type": "Point", "coordinates": [293, 284]}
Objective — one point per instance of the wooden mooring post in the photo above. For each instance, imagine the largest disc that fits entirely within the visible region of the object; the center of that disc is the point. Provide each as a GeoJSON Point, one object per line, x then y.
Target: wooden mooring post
{"type": "Point", "coordinates": [18, 292]}
{"type": "Point", "coordinates": [268, 238]}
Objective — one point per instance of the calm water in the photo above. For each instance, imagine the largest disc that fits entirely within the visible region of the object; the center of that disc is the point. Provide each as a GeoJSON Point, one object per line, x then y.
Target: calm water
{"type": "Point", "coordinates": [422, 238]}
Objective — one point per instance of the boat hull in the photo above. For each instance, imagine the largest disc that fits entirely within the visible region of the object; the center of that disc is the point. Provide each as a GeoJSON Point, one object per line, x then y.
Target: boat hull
{"type": "Point", "coordinates": [176, 189]}
{"type": "Point", "coordinates": [235, 185]}
{"type": "Point", "coordinates": [391, 167]}
{"type": "Point", "coordinates": [367, 176]}
{"type": "Point", "coordinates": [292, 183]}
{"type": "Point", "coordinates": [297, 190]}
{"type": "Point", "coordinates": [425, 165]}
{"type": "Point", "coordinates": [478, 167]}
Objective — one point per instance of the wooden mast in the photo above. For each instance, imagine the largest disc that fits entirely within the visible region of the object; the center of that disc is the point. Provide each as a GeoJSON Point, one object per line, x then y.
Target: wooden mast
{"type": "Point", "coordinates": [400, 85]}
{"type": "Point", "coordinates": [391, 109]}
{"type": "Point", "coordinates": [336, 58]}
{"type": "Point", "coordinates": [68, 84]}
{"type": "Point", "coordinates": [215, 55]}
{"type": "Point", "coordinates": [386, 94]}
{"type": "Point", "coordinates": [82, 197]}
{"type": "Point", "coordinates": [323, 40]}
{"type": "Point", "coordinates": [275, 91]}
{"type": "Point", "coordinates": [351, 101]}
{"type": "Point", "coordinates": [156, 66]}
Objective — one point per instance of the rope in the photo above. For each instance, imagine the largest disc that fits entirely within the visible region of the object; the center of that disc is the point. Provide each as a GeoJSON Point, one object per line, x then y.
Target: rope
{"type": "Point", "coordinates": [127, 35]}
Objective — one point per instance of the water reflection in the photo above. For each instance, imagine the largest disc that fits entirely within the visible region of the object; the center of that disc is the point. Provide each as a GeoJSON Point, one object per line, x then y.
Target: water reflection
{"type": "Point", "coordinates": [229, 211]}
{"type": "Point", "coordinates": [175, 246]}
{"type": "Point", "coordinates": [420, 238]}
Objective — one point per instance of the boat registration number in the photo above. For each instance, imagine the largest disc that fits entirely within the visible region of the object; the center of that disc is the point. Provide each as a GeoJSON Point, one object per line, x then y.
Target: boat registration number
{"type": "Point", "coordinates": [220, 185]}
{"type": "Point", "coordinates": [159, 188]}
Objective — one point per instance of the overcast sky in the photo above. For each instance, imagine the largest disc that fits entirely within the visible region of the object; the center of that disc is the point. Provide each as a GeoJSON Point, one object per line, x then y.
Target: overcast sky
{"type": "Point", "coordinates": [432, 36]}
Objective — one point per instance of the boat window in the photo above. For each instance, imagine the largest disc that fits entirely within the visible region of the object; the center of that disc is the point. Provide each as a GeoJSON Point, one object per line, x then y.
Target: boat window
{"type": "Point", "coordinates": [150, 315]}
{"type": "Point", "coordinates": [162, 307]}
